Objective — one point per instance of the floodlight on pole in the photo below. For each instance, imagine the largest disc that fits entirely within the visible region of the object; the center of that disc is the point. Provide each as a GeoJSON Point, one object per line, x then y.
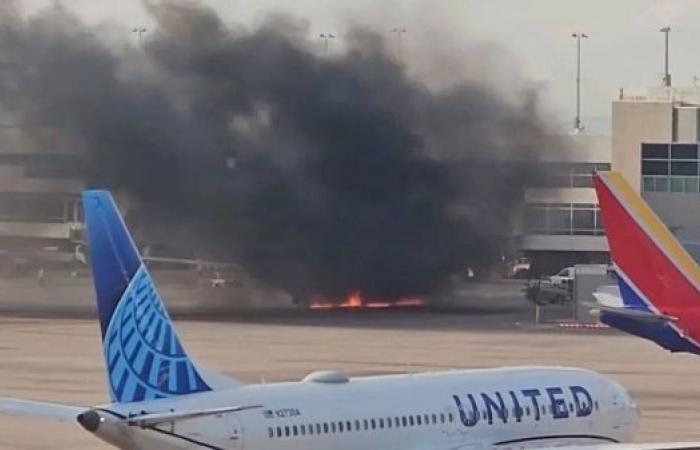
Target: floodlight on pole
{"type": "Point", "coordinates": [578, 126]}
{"type": "Point", "coordinates": [139, 31]}
{"type": "Point", "coordinates": [326, 37]}
{"type": "Point", "coordinates": [399, 31]}
{"type": "Point", "coordinates": [667, 75]}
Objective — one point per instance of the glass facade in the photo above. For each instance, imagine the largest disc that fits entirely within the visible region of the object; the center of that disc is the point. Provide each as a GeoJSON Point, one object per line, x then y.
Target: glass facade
{"type": "Point", "coordinates": [673, 167]}
{"type": "Point", "coordinates": [39, 208]}
{"type": "Point", "coordinates": [571, 175]}
{"type": "Point", "coordinates": [573, 219]}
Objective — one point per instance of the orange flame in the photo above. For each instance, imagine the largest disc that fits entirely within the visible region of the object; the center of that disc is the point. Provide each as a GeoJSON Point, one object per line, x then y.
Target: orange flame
{"type": "Point", "coordinates": [355, 301]}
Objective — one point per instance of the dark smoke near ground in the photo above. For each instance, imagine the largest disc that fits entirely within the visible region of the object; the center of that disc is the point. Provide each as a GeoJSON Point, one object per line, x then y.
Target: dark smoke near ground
{"type": "Point", "coordinates": [320, 174]}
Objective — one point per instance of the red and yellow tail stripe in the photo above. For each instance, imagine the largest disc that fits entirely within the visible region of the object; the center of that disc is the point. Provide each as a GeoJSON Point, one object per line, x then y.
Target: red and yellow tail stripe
{"type": "Point", "coordinates": [643, 248]}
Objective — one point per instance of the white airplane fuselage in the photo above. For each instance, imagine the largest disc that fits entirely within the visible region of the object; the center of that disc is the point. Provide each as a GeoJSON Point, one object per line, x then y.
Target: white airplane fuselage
{"type": "Point", "coordinates": [511, 407]}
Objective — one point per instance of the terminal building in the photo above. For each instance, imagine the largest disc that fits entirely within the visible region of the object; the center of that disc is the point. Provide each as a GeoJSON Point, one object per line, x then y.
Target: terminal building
{"type": "Point", "coordinates": [561, 219]}
{"type": "Point", "coordinates": [654, 144]}
{"type": "Point", "coordinates": [40, 213]}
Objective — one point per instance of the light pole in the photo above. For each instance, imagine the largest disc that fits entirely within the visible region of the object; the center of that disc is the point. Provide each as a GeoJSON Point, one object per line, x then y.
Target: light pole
{"type": "Point", "coordinates": [578, 126]}
{"type": "Point", "coordinates": [667, 75]}
{"type": "Point", "coordinates": [399, 31]}
{"type": "Point", "coordinates": [326, 37]}
{"type": "Point", "coordinates": [139, 31]}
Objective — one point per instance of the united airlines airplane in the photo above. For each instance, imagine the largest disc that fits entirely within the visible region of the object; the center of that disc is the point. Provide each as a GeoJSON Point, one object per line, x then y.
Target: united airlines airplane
{"type": "Point", "coordinates": [658, 292]}
{"type": "Point", "coordinates": [162, 400]}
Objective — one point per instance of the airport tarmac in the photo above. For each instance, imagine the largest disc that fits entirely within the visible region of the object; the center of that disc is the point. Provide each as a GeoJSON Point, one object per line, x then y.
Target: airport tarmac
{"type": "Point", "coordinates": [60, 360]}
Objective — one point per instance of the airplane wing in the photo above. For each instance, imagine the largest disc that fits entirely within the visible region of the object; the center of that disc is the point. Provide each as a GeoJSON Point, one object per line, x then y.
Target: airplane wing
{"type": "Point", "coordinates": [641, 316]}
{"type": "Point", "coordinates": [152, 419]}
{"type": "Point", "coordinates": [663, 329]}
{"type": "Point", "coordinates": [41, 410]}
{"type": "Point", "coordinates": [609, 301]}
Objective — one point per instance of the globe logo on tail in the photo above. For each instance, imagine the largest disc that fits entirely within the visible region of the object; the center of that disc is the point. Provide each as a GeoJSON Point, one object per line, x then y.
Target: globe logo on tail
{"type": "Point", "coordinates": [144, 355]}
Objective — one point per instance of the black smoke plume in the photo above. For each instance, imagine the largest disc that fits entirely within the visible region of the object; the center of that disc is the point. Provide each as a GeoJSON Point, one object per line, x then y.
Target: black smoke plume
{"type": "Point", "coordinates": [320, 174]}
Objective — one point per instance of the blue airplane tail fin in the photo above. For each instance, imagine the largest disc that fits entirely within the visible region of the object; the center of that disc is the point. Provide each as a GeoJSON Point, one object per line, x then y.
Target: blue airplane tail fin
{"type": "Point", "coordinates": [142, 351]}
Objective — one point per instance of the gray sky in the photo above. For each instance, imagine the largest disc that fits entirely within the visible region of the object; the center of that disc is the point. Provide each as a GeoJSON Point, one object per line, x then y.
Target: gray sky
{"type": "Point", "coordinates": [625, 47]}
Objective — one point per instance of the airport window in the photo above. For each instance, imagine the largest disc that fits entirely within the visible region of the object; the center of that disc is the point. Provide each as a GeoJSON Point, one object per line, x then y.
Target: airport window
{"type": "Point", "coordinates": [527, 410]}
{"type": "Point", "coordinates": [434, 419]}
{"type": "Point", "coordinates": [560, 217]}
{"type": "Point", "coordinates": [411, 420]}
{"type": "Point", "coordinates": [655, 151]}
{"type": "Point", "coordinates": [279, 431]}
{"type": "Point", "coordinates": [661, 184]}
{"type": "Point", "coordinates": [583, 219]}
{"type": "Point", "coordinates": [373, 424]}
{"type": "Point", "coordinates": [684, 151]}
{"type": "Point", "coordinates": [270, 432]}
{"type": "Point", "coordinates": [294, 430]}
{"type": "Point", "coordinates": [404, 421]}
{"type": "Point", "coordinates": [677, 170]}
{"type": "Point", "coordinates": [340, 427]}
{"type": "Point", "coordinates": [318, 428]}
{"type": "Point", "coordinates": [357, 425]}
{"type": "Point", "coordinates": [325, 427]}
{"type": "Point", "coordinates": [381, 423]}
{"type": "Point", "coordinates": [442, 417]}
{"type": "Point", "coordinates": [563, 219]}
{"type": "Point", "coordinates": [676, 184]}
{"type": "Point", "coordinates": [332, 427]}
{"type": "Point", "coordinates": [450, 417]}
{"type": "Point", "coordinates": [388, 422]}
{"type": "Point", "coordinates": [366, 424]}
{"type": "Point", "coordinates": [655, 167]}
{"type": "Point", "coordinates": [45, 166]}
{"type": "Point", "coordinates": [39, 208]}
{"type": "Point", "coordinates": [684, 167]}
{"type": "Point", "coordinates": [418, 421]}
{"type": "Point", "coordinates": [397, 422]}
{"type": "Point", "coordinates": [286, 431]}
{"type": "Point", "coordinates": [311, 428]}
{"type": "Point", "coordinates": [571, 175]}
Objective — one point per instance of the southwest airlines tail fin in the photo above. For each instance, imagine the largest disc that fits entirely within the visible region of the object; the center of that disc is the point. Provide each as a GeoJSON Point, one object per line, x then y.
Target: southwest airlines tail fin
{"type": "Point", "coordinates": [659, 295]}
{"type": "Point", "coordinates": [143, 354]}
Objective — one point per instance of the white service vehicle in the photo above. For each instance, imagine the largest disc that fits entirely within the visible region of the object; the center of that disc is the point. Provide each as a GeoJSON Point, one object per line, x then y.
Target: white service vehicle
{"type": "Point", "coordinates": [565, 277]}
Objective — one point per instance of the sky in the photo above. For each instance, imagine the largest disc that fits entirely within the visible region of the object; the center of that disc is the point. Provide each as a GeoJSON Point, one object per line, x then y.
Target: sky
{"type": "Point", "coordinates": [625, 48]}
